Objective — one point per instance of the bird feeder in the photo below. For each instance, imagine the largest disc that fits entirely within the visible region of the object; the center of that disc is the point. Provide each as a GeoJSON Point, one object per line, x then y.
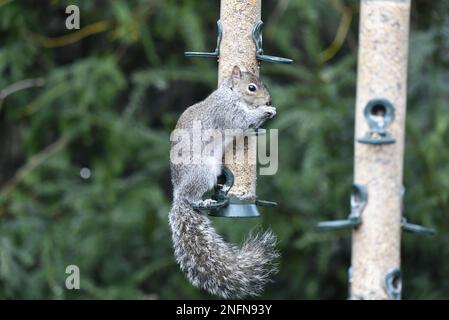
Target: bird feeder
{"type": "Point", "coordinates": [376, 217]}
{"type": "Point", "coordinates": [239, 43]}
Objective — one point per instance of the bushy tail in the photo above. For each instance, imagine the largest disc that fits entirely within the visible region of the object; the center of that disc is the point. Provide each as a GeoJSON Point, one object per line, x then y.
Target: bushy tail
{"type": "Point", "coordinates": [216, 266]}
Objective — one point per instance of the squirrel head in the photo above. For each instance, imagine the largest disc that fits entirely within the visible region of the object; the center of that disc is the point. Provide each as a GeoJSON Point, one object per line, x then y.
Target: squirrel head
{"type": "Point", "coordinates": [250, 88]}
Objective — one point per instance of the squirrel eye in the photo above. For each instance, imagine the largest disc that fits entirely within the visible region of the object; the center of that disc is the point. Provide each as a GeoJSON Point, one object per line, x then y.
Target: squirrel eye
{"type": "Point", "coordinates": [252, 87]}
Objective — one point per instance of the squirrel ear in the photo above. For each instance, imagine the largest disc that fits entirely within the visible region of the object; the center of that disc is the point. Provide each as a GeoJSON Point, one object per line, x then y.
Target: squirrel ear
{"type": "Point", "coordinates": [236, 75]}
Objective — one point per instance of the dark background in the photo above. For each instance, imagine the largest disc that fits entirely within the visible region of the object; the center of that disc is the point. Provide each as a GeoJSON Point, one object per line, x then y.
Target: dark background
{"type": "Point", "coordinates": [84, 175]}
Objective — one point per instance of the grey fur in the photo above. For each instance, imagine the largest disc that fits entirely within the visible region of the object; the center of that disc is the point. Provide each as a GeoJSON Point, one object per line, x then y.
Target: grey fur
{"type": "Point", "coordinates": [210, 263]}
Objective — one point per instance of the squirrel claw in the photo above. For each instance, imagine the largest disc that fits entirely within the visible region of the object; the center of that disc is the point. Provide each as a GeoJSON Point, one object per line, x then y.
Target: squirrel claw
{"type": "Point", "coordinates": [209, 204]}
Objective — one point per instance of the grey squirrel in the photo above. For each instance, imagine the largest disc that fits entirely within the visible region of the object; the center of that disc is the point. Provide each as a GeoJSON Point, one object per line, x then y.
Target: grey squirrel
{"type": "Point", "coordinates": [241, 102]}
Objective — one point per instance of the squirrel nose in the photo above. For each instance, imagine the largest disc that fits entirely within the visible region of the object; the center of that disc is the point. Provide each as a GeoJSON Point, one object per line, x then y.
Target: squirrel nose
{"type": "Point", "coordinates": [268, 103]}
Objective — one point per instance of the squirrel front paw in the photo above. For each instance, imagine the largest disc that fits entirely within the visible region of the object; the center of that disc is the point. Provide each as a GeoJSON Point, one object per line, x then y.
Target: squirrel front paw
{"type": "Point", "coordinates": [269, 112]}
{"type": "Point", "coordinates": [260, 115]}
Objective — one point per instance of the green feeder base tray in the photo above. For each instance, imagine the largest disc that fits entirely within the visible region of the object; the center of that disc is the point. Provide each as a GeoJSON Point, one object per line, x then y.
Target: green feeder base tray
{"type": "Point", "coordinates": [237, 210]}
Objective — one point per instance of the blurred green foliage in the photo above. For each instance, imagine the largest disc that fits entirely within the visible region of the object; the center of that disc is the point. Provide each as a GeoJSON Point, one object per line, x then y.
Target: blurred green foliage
{"type": "Point", "coordinates": [84, 175]}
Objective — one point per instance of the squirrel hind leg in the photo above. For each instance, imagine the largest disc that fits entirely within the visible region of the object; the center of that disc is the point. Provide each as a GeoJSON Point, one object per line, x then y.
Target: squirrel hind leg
{"type": "Point", "coordinates": [196, 182]}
